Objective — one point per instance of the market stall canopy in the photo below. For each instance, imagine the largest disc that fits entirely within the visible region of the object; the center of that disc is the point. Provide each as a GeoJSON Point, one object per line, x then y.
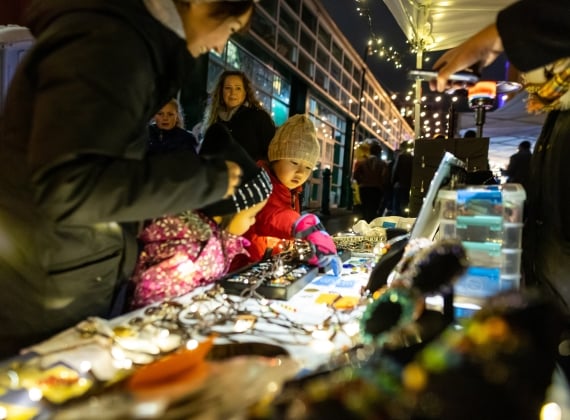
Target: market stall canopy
{"type": "Point", "coordinates": [433, 25]}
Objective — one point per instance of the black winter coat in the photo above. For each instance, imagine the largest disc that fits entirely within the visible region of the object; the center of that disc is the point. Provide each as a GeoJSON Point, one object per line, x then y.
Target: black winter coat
{"type": "Point", "coordinates": [164, 141]}
{"type": "Point", "coordinates": [73, 161]}
{"type": "Point", "coordinates": [519, 167]}
{"type": "Point", "coordinates": [253, 129]}
{"type": "Point", "coordinates": [536, 33]}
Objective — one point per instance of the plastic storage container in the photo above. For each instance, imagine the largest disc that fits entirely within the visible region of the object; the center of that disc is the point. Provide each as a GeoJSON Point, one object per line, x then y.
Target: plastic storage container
{"type": "Point", "coordinates": [488, 220]}
{"type": "Point", "coordinates": [14, 42]}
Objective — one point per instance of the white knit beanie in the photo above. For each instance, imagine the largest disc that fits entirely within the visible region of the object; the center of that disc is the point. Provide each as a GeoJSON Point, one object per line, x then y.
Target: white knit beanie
{"type": "Point", "coordinates": [296, 140]}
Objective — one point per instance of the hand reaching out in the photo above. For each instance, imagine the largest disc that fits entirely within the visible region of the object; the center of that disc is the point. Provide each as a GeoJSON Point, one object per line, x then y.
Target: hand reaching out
{"type": "Point", "coordinates": [234, 177]}
{"type": "Point", "coordinates": [479, 50]}
{"type": "Point", "coordinates": [309, 227]}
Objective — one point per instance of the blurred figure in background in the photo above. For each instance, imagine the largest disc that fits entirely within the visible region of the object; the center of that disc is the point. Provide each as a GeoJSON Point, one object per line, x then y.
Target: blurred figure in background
{"type": "Point", "coordinates": [360, 155]}
{"type": "Point", "coordinates": [402, 179]}
{"type": "Point", "coordinates": [373, 177]}
{"type": "Point", "coordinates": [470, 134]}
{"type": "Point", "coordinates": [519, 165]}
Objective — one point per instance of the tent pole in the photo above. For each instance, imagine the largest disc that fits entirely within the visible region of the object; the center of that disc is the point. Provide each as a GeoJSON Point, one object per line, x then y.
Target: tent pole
{"type": "Point", "coordinates": [418, 100]}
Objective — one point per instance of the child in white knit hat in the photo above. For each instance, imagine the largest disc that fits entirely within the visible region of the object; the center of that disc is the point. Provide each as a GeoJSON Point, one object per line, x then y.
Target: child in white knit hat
{"type": "Point", "coordinates": [293, 154]}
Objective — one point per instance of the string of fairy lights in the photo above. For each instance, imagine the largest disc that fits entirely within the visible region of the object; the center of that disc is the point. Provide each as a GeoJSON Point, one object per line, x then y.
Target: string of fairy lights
{"type": "Point", "coordinates": [376, 44]}
{"type": "Point", "coordinates": [435, 108]}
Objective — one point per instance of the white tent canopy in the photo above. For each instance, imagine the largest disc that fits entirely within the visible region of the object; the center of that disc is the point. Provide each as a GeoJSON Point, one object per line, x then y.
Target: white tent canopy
{"type": "Point", "coordinates": [433, 25]}
{"type": "Point", "coordinates": [441, 24]}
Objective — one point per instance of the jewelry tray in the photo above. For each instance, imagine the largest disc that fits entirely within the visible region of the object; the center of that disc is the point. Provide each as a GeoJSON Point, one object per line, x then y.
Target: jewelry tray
{"type": "Point", "coordinates": [258, 278]}
{"type": "Point", "coordinates": [357, 244]}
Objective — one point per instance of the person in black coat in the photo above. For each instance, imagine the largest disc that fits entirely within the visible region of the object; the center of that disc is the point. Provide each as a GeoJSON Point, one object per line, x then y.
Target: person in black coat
{"type": "Point", "coordinates": [535, 37]}
{"type": "Point", "coordinates": [402, 179]}
{"type": "Point", "coordinates": [234, 104]}
{"type": "Point", "coordinates": [166, 132]}
{"type": "Point", "coordinates": [373, 178]}
{"type": "Point", "coordinates": [68, 188]}
{"type": "Point", "coordinates": [519, 165]}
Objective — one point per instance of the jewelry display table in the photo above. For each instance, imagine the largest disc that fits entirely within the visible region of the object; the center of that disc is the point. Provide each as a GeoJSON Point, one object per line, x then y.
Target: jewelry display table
{"type": "Point", "coordinates": [74, 373]}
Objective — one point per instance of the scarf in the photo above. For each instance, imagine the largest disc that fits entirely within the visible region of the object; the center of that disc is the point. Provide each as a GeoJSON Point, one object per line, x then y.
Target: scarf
{"type": "Point", "coordinates": [548, 87]}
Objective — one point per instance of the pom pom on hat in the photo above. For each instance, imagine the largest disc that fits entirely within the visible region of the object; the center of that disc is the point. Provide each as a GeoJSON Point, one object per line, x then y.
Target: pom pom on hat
{"type": "Point", "coordinates": [255, 186]}
{"type": "Point", "coordinates": [296, 140]}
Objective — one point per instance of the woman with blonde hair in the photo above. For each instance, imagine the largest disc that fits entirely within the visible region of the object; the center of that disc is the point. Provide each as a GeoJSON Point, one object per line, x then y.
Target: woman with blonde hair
{"type": "Point", "coordinates": [234, 104]}
{"type": "Point", "coordinates": [166, 131]}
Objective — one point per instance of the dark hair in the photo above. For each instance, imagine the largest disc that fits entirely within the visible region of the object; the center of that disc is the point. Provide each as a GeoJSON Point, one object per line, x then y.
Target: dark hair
{"type": "Point", "coordinates": [469, 134]}
{"type": "Point", "coordinates": [375, 149]}
{"type": "Point", "coordinates": [224, 9]}
{"type": "Point", "coordinates": [524, 145]}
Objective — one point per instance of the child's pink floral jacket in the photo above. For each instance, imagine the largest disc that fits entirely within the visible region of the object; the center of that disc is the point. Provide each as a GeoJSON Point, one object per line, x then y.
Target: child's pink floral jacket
{"type": "Point", "coordinates": [181, 253]}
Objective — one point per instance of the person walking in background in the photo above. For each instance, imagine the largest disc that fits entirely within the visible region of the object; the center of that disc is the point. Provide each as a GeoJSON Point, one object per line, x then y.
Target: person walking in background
{"type": "Point", "coordinates": [372, 177]}
{"type": "Point", "coordinates": [536, 39]}
{"type": "Point", "coordinates": [402, 179]}
{"type": "Point", "coordinates": [68, 189]}
{"type": "Point", "coordinates": [519, 165]}
{"type": "Point", "coordinates": [234, 103]}
{"type": "Point", "coordinates": [470, 134]}
{"type": "Point", "coordinates": [361, 153]}
{"type": "Point", "coordinates": [166, 130]}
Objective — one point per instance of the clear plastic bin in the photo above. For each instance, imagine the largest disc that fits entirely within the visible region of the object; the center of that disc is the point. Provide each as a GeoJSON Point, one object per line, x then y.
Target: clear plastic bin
{"type": "Point", "coordinates": [488, 221]}
{"type": "Point", "coordinates": [511, 264]}
{"type": "Point", "coordinates": [484, 254]}
{"type": "Point", "coordinates": [512, 235]}
{"type": "Point", "coordinates": [506, 200]}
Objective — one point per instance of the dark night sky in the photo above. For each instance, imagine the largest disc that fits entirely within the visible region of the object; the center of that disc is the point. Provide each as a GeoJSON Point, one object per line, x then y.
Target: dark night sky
{"type": "Point", "coordinates": [357, 31]}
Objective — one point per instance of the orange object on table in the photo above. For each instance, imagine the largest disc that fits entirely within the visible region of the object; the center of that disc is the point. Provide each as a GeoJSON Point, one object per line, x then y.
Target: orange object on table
{"type": "Point", "coordinates": [181, 365]}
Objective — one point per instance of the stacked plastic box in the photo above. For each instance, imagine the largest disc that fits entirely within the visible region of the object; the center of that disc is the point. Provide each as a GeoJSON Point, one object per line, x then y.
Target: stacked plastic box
{"type": "Point", "coordinates": [14, 42]}
{"type": "Point", "coordinates": [488, 220]}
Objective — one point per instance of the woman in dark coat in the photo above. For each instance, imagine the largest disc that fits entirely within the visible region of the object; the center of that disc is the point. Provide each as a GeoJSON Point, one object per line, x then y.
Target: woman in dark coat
{"type": "Point", "coordinates": [67, 187]}
{"type": "Point", "coordinates": [234, 104]}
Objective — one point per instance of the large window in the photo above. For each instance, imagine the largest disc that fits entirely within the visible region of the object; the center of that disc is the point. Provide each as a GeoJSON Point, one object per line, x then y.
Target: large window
{"type": "Point", "coordinates": [307, 42]}
{"type": "Point", "coordinates": [270, 6]}
{"type": "Point", "coordinates": [286, 48]}
{"type": "Point", "coordinates": [331, 129]}
{"type": "Point", "coordinates": [309, 18]}
{"type": "Point", "coordinates": [288, 22]}
{"type": "Point", "coordinates": [325, 37]}
{"type": "Point", "coordinates": [306, 65]}
{"type": "Point", "coordinates": [264, 28]}
{"type": "Point", "coordinates": [337, 52]}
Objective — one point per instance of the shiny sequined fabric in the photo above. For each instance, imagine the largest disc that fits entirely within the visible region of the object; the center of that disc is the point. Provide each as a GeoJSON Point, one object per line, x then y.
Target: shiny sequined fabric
{"type": "Point", "coordinates": [181, 253]}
